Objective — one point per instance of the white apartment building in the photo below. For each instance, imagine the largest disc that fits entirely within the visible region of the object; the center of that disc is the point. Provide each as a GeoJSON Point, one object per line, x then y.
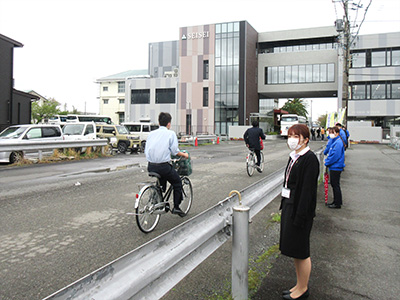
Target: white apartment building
{"type": "Point", "coordinates": [112, 94]}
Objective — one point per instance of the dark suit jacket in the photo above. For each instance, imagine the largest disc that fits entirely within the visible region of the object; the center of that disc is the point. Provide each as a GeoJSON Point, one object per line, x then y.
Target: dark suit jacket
{"type": "Point", "coordinates": [303, 182]}
{"type": "Point", "coordinates": [252, 137]}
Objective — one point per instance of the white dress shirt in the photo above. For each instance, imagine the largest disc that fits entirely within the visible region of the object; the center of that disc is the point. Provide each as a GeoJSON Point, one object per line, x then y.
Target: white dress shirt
{"type": "Point", "coordinates": [160, 145]}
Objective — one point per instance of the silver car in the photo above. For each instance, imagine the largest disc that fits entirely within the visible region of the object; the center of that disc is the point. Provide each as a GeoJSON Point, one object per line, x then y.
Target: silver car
{"type": "Point", "coordinates": [22, 133]}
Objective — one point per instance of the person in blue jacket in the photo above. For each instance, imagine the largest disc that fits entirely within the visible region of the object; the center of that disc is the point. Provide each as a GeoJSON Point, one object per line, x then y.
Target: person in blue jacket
{"type": "Point", "coordinates": [343, 135]}
{"type": "Point", "coordinates": [329, 143]}
{"type": "Point", "coordinates": [335, 163]}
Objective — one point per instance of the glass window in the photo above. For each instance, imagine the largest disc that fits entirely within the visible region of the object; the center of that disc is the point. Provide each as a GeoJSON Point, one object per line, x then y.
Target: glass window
{"type": "Point", "coordinates": [302, 73]}
{"type": "Point", "coordinates": [121, 101]}
{"type": "Point", "coordinates": [331, 72]}
{"type": "Point", "coordinates": [121, 86]}
{"type": "Point", "coordinates": [281, 76]}
{"type": "Point", "coordinates": [274, 75]}
{"type": "Point", "coordinates": [358, 91]}
{"type": "Point", "coordinates": [51, 132]}
{"type": "Point", "coordinates": [105, 101]}
{"type": "Point", "coordinates": [358, 59]}
{"type": "Point", "coordinates": [165, 96]}
{"type": "Point", "coordinates": [309, 73]}
{"type": "Point", "coordinates": [105, 88]}
{"type": "Point", "coordinates": [316, 73]}
{"type": "Point", "coordinates": [378, 58]}
{"type": "Point", "coordinates": [146, 128]}
{"type": "Point", "coordinates": [140, 96]}
{"type": "Point", "coordinates": [396, 57]}
{"type": "Point", "coordinates": [395, 90]}
{"type": "Point", "coordinates": [205, 96]}
{"type": "Point", "coordinates": [378, 91]}
{"type": "Point", "coordinates": [205, 69]}
{"type": "Point", "coordinates": [34, 133]}
{"type": "Point", "coordinates": [323, 72]}
{"type": "Point", "coordinates": [236, 48]}
{"type": "Point", "coordinates": [288, 74]}
{"type": "Point", "coordinates": [295, 74]}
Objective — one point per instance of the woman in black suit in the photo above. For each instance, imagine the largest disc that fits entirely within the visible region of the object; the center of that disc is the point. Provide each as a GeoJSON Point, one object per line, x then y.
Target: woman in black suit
{"type": "Point", "coordinates": [299, 198]}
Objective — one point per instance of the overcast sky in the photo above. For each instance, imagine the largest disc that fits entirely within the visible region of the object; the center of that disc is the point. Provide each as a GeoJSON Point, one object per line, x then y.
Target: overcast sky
{"type": "Point", "coordinates": [68, 44]}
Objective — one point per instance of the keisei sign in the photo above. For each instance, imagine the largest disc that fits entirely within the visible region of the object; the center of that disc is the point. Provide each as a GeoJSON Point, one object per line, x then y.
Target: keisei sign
{"type": "Point", "coordinates": [196, 35]}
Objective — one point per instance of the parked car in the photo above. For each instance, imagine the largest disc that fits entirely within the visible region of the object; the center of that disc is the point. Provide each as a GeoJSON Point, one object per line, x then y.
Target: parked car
{"type": "Point", "coordinates": [125, 140]}
{"type": "Point", "coordinates": [142, 129]}
{"type": "Point", "coordinates": [28, 132]}
{"type": "Point", "coordinates": [58, 120]}
{"type": "Point", "coordinates": [80, 131]}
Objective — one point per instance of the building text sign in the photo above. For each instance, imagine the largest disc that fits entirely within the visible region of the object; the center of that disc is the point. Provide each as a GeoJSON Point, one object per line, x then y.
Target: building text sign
{"type": "Point", "coordinates": [196, 35]}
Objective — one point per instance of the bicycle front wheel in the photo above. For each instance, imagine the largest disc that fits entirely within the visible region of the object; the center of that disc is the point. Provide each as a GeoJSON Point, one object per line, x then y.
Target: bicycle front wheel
{"type": "Point", "coordinates": [187, 191]}
{"type": "Point", "coordinates": [145, 217]}
{"type": "Point", "coordinates": [250, 164]}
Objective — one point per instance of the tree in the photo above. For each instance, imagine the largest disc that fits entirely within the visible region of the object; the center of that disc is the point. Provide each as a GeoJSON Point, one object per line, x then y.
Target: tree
{"type": "Point", "coordinates": [322, 120]}
{"type": "Point", "coordinates": [296, 106]}
{"type": "Point", "coordinates": [44, 111]}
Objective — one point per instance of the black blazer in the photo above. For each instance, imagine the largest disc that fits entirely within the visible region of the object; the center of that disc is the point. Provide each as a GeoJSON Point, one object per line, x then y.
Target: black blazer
{"type": "Point", "coordinates": [252, 137]}
{"type": "Point", "coordinates": [303, 182]}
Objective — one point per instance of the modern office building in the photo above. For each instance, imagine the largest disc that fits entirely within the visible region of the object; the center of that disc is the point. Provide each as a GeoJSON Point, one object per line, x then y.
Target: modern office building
{"type": "Point", "coordinates": [224, 74]}
{"type": "Point", "coordinates": [375, 80]}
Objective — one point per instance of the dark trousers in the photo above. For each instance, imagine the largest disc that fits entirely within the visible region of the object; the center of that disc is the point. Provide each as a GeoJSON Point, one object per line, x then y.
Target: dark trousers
{"type": "Point", "coordinates": [257, 152]}
{"type": "Point", "coordinates": [335, 183]}
{"type": "Point", "coordinates": [168, 173]}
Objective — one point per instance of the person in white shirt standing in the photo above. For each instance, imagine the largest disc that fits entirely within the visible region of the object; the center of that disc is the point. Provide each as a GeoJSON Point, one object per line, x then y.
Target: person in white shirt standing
{"type": "Point", "coordinates": [160, 145]}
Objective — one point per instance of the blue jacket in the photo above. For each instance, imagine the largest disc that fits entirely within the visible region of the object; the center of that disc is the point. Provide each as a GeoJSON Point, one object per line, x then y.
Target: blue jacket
{"type": "Point", "coordinates": [343, 135]}
{"type": "Point", "coordinates": [328, 145]}
{"type": "Point", "coordinates": [335, 159]}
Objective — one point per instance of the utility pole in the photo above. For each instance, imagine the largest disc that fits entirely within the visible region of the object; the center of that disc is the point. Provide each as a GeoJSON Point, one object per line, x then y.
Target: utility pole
{"type": "Point", "coordinates": [347, 40]}
{"type": "Point", "coordinates": [346, 62]}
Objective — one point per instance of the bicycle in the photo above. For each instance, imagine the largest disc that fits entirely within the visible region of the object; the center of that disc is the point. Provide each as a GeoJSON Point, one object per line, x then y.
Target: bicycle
{"type": "Point", "coordinates": [251, 162]}
{"type": "Point", "coordinates": [152, 202]}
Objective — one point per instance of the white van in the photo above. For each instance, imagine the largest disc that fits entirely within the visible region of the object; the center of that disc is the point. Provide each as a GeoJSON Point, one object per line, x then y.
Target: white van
{"type": "Point", "coordinates": [141, 129]}
{"type": "Point", "coordinates": [28, 132]}
{"type": "Point", "coordinates": [80, 131]}
{"type": "Point", "coordinates": [58, 120]}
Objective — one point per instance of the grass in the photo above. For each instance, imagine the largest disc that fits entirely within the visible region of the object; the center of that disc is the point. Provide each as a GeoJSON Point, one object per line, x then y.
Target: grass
{"type": "Point", "coordinates": [259, 268]}
{"type": "Point", "coordinates": [65, 154]}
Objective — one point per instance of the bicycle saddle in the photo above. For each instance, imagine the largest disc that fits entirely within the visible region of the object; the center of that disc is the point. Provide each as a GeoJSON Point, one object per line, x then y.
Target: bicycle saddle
{"type": "Point", "coordinates": [152, 174]}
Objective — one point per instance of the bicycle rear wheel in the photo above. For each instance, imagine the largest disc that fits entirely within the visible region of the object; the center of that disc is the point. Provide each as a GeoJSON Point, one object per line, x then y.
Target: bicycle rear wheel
{"type": "Point", "coordinates": [145, 218]}
{"type": "Point", "coordinates": [187, 191]}
{"type": "Point", "coordinates": [262, 161]}
{"type": "Point", "coordinates": [250, 164]}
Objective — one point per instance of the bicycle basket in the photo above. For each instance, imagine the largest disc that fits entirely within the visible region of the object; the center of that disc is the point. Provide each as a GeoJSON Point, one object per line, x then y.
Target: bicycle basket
{"type": "Point", "coordinates": [183, 166]}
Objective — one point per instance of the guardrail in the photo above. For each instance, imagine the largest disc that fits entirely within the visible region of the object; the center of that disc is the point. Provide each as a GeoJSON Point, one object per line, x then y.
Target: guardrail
{"type": "Point", "coordinates": [50, 145]}
{"type": "Point", "coordinates": [151, 270]}
{"type": "Point", "coordinates": [198, 139]}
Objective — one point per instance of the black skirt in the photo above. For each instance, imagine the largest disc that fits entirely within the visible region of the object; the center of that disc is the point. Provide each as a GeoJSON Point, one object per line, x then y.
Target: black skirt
{"type": "Point", "coordinates": [294, 241]}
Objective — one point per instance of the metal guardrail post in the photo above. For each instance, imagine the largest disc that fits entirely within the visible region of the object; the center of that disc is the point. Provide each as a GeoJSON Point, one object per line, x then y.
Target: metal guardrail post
{"type": "Point", "coordinates": [240, 253]}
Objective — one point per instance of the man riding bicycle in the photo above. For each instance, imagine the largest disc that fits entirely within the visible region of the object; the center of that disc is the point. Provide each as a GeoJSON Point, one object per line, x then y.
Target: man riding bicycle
{"type": "Point", "coordinates": [160, 145]}
{"type": "Point", "coordinates": [252, 139]}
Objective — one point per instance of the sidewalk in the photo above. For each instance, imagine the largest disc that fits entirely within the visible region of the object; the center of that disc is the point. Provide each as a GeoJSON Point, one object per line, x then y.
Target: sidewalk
{"type": "Point", "coordinates": [355, 250]}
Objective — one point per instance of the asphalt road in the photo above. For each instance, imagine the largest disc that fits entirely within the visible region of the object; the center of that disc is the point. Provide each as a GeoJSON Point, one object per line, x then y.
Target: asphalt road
{"type": "Point", "coordinates": [59, 222]}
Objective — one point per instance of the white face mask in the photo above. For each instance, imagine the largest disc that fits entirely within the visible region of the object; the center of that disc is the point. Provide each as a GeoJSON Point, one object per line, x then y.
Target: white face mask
{"type": "Point", "coordinates": [332, 135]}
{"type": "Point", "coordinates": [293, 143]}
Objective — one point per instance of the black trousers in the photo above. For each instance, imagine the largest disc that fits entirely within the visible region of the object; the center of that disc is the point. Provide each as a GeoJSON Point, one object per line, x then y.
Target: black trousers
{"type": "Point", "coordinates": [335, 183]}
{"type": "Point", "coordinates": [168, 173]}
{"type": "Point", "coordinates": [257, 152]}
